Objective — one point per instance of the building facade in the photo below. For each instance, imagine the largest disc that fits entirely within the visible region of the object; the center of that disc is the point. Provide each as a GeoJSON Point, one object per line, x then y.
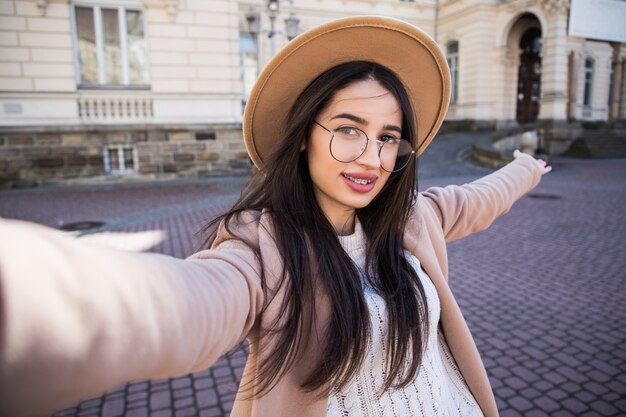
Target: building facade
{"type": "Point", "coordinates": [113, 89]}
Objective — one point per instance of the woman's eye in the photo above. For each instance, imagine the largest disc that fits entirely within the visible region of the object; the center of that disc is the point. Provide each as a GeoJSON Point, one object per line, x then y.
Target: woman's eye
{"type": "Point", "coordinates": [348, 131]}
{"type": "Point", "coordinates": [388, 138]}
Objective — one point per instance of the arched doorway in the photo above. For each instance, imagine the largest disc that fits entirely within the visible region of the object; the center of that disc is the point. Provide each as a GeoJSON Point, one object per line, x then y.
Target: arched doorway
{"type": "Point", "coordinates": [529, 76]}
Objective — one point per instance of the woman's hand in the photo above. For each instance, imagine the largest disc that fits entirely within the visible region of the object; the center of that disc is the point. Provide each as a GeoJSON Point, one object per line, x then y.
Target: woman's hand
{"type": "Point", "coordinates": [545, 168]}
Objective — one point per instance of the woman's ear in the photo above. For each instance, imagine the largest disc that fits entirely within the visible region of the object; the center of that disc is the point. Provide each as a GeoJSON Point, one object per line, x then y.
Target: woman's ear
{"type": "Point", "coordinates": [303, 146]}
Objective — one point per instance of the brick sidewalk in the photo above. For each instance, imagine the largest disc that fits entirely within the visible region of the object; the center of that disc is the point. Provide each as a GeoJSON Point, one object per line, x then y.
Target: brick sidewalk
{"type": "Point", "coordinates": [543, 289]}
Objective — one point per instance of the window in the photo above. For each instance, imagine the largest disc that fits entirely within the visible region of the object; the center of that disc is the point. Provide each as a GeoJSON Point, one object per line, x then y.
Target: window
{"type": "Point", "coordinates": [110, 46]}
{"type": "Point", "coordinates": [588, 82]}
{"type": "Point", "coordinates": [249, 63]}
{"type": "Point", "coordinates": [611, 81]}
{"type": "Point", "coordinates": [119, 160]}
{"type": "Point", "coordinates": [453, 63]}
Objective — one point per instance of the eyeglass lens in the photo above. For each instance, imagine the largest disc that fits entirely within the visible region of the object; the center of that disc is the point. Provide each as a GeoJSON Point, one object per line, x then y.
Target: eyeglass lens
{"type": "Point", "coordinates": [348, 144]}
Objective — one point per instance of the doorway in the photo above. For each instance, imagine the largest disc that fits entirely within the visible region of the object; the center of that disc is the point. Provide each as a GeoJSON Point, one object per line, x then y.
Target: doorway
{"type": "Point", "coordinates": [529, 77]}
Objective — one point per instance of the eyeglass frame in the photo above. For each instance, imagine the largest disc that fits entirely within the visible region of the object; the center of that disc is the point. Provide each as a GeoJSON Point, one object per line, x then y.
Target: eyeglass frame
{"type": "Point", "coordinates": [379, 144]}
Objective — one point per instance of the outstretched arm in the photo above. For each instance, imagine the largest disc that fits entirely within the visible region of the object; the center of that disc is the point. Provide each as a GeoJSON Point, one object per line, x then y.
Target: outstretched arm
{"type": "Point", "coordinates": [78, 319]}
{"type": "Point", "coordinates": [469, 208]}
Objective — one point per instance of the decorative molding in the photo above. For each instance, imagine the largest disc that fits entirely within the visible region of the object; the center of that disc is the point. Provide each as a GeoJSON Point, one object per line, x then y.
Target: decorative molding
{"type": "Point", "coordinates": [555, 6]}
{"type": "Point", "coordinates": [170, 6]}
{"type": "Point", "coordinates": [519, 5]}
{"type": "Point", "coordinates": [42, 6]}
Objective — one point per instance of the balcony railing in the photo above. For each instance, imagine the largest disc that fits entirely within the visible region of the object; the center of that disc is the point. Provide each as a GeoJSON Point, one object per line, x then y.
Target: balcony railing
{"type": "Point", "coordinates": [114, 109]}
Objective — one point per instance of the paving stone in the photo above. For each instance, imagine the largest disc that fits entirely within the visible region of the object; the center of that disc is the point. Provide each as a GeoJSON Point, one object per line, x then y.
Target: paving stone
{"type": "Point", "coordinates": [181, 383]}
{"type": "Point", "coordinates": [211, 412]}
{"type": "Point", "coordinates": [595, 388]}
{"type": "Point", "coordinates": [203, 383]}
{"type": "Point", "coordinates": [515, 383]}
{"type": "Point", "coordinates": [564, 413]}
{"type": "Point", "coordinates": [183, 393]}
{"type": "Point", "coordinates": [546, 404]}
{"type": "Point", "coordinates": [557, 394]}
{"type": "Point", "coordinates": [621, 405]}
{"type": "Point", "coordinates": [137, 396]}
{"type": "Point", "coordinates": [505, 392]}
{"type": "Point", "coordinates": [509, 412]}
{"type": "Point", "coordinates": [162, 413]}
{"type": "Point", "coordinates": [520, 403]}
{"type": "Point", "coordinates": [554, 378]}
{"type": "Point", "coordinates": [183, 402]}
{"type": "Point", "coordinates": [530, 393]}
{"type": "Point", "coordinates": [599, 376]}
{"type": "Point", "coordinates": [186, 412]}
{"type": "Point", "coordinates": [500, 372]}
{"type": "Point", "coordinates": [574, 405]}
{"type": "Point", "coordinates": [570, 387]}
{"type": "Point", "coordinates": [207, 398]}
{"type": "Point", "coordinates": [611, 397]}
{"type": "Point", "coordinates": [137, 412]}
{"type": "Point", "coordinates": [524, 373]}
{"type": "Point", "coordinates": [543, 386]}
{"type": "Point", "coordinates": [160, 400]}
{"type": "Point", "coordinates": [113, 407]}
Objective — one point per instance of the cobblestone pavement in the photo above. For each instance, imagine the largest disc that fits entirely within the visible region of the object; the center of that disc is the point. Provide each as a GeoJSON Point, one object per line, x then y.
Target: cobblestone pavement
{"type": "Point", "coordinates": [543, 289]}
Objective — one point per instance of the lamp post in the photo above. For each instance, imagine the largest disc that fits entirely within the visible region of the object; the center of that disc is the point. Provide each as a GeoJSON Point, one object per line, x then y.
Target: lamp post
{"type": "Point", "coordinates": [291, 26]}
{"type": "Point", "coordinates": [253, 17]}
{"type": "Point", "coordinates": [272, 11]}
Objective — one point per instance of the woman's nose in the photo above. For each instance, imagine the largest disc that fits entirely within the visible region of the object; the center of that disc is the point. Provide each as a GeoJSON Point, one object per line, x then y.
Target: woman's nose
{"type": "Point", "coordinates": [371, 156]}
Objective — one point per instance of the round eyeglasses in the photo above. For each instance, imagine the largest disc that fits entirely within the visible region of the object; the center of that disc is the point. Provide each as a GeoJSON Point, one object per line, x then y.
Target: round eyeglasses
{"type": "Point", "coordinates": [348, 143]}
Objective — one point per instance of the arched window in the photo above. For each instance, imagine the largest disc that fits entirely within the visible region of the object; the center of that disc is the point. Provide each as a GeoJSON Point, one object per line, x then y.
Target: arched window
{"type": "Point", "coordinates": [452, 52]}
{"type": "Point", "coordinates": [588, 82]}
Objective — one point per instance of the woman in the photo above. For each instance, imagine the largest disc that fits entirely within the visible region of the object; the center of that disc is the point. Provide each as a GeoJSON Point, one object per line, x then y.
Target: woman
{"type": "Point", "coordinates": [330, 264]}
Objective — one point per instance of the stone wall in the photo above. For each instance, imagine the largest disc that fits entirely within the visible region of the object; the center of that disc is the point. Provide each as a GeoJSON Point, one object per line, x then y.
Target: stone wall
{"type": "Point", "coordinates": [30, 158]}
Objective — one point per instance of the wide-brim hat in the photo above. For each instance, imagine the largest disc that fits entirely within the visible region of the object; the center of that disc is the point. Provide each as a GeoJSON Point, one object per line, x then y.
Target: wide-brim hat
{"type": "Point", "coordinates": [407, 51]}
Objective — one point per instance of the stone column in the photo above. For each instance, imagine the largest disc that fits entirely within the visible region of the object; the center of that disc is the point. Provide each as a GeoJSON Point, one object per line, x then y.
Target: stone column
{"type": "Point", "coordinates": [499, 84]}
{"type": "Point", "coordinates": [622, 103]}
{"type": "Point", "coordinates": [616, 93]}
{"type": "Point", "coordinates": [554, 62]}
{"type": "Point", "coordinates": [573, 74]}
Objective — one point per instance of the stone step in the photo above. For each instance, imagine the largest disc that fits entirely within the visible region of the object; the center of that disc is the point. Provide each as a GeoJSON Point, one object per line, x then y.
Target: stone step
{"type": "Point", "coordinates": [598, 145]}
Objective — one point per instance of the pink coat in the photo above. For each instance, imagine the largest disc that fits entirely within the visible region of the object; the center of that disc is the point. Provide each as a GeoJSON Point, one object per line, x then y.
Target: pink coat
{"type": "Point", "coordinates": [77, 319]}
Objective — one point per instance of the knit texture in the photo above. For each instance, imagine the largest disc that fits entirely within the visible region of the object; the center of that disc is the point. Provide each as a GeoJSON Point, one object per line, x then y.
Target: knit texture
{"type": "Point", "coordinates": [437, 390]}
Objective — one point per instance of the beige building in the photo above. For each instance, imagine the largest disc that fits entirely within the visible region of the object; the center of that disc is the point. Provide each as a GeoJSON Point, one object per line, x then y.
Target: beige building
{"type": "Point", "coordinates": [156, 88]}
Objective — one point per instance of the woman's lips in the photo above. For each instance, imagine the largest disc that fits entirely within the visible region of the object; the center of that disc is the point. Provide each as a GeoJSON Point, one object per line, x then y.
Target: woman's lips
{"type": "Point", "coordinates": [359, 182]}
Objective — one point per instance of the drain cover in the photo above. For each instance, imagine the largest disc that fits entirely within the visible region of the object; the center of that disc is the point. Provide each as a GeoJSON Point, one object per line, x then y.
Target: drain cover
{"type": "Point", "coordinates": [542, 196]}
{"type": "Point", "coordinates": [81, 226]}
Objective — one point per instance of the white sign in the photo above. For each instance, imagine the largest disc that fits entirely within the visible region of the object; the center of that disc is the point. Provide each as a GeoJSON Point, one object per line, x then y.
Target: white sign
{"type": "Point", "coordinates": [598, 19]}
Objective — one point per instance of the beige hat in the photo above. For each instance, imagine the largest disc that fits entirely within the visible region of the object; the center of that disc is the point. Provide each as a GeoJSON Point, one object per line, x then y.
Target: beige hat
{"type": "Point", "coordinates": [407, 51]}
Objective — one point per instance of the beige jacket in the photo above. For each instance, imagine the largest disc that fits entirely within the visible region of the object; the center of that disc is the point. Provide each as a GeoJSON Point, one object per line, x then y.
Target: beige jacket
{"type": "Point", "coordinates": [77, 319]}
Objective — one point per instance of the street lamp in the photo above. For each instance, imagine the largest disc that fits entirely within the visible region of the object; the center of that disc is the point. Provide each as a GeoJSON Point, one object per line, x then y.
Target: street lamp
{"type": "Point", "coordinates": [253, 17]}
{"type": "Point", "coordinates": [291, 26]}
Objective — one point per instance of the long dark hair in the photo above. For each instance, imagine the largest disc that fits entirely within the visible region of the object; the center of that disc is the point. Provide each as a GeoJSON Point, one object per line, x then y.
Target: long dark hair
{"type": "Point", "coordinates": [314, 259]}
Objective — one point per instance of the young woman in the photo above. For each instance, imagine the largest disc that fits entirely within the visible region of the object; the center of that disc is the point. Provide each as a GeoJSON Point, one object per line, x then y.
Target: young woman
{"type": "Point", "coordinates": [330, 264]}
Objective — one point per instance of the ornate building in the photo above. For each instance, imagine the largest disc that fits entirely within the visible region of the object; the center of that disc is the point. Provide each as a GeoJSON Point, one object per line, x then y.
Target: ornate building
{"type": "Point", "coordinates": [155, 88]}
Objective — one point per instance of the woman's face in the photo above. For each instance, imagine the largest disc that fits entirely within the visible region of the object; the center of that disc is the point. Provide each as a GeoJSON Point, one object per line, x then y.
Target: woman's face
{"type": "Point", "coordinates": [340, 187]}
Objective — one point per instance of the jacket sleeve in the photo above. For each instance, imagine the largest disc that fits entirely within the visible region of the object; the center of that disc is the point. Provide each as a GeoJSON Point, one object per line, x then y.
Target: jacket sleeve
{"type": "Point", "coordinates": [472, 207]}
{"type": "Point", "coordinates": [77, 319]}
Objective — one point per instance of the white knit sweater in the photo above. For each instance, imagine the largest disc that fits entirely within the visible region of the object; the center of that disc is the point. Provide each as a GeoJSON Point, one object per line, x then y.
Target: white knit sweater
{"type": "Point", "coordinates": [438, 389]}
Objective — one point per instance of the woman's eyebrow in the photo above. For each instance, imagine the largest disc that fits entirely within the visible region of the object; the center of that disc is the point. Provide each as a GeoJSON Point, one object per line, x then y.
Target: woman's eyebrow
{"type": "Point", "coordinates": [362, 121]}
